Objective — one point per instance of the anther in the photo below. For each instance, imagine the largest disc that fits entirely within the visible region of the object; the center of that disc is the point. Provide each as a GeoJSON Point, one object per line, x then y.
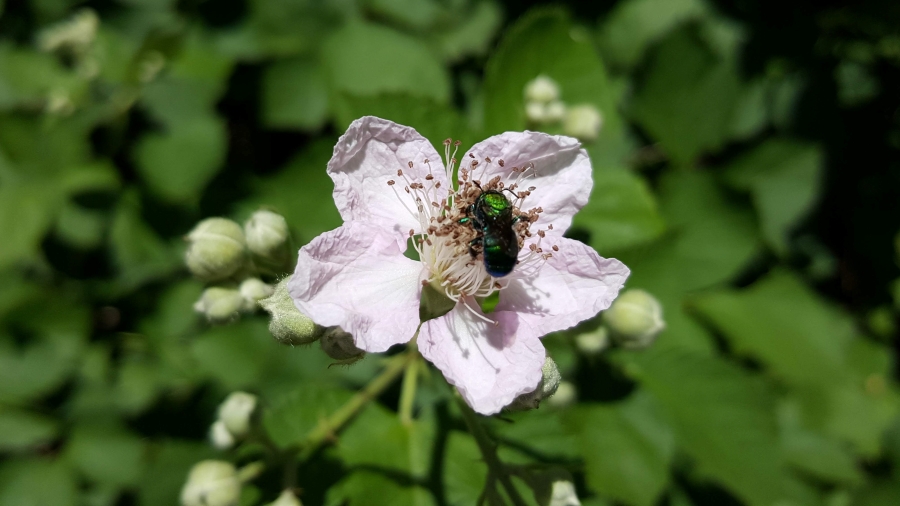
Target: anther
{"type": "Point", "coordinates": [532, 188]}
{"type": "Point", "coordinates": [541, 233]}
{"type": "Point", "coordinates": [412, 232]}
{"type": "Point", "coordinates": [410, 164]}
{"type": "Point", "coordinates": [471, 155]}
{"type": "Point", "coordinates": [500, 162]}
{"type": "Point", "coordinates": [406, 188]}
{"type": "Point", "coordinates": [487, 159]}
{"type": "Point", "coordinates": [550, 227]}
{"type": "Point", "coordinates": [447, 141]}
{"type": "Point", "coordinates": [391, 182]}
{"type": "Point", "coordinates": [457, 143]}
{"type": "Point", "coordinates": [400, 171]}
{"type": "Point", "coordinates": [429, 177]}
{"type": "Point", "coordinates": [555, 248]}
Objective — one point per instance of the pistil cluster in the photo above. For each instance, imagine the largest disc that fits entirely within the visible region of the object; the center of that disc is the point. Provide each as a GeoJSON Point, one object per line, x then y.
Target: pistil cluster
{"type": "Point", "coordinates": [446, 240]}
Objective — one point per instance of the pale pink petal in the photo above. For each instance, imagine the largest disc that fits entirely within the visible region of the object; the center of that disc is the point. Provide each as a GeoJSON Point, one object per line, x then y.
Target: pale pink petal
{"type": "Point", "coordinates": [574, 284]}
{"type": "Point", "coordinates": [369, 155]}
{"type": "Point", "coordinates": [562, 172]}
{"type": "Point", "coordinates": [357, 277]}
{"type": "Point", "coordinates": [489, 364]}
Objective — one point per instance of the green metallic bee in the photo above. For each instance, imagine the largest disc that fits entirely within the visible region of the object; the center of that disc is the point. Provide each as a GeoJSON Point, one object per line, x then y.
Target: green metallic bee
{"type": "Point", "coordinates": [492, 215]}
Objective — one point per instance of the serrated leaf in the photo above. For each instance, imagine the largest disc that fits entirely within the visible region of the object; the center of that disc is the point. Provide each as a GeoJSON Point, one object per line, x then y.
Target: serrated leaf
{"type": "Point", "coordinates": [727, 425]}
{"type": "Point", "coordinates": [377, 438]}
{"type": "Point", "coordinates": [784, 178]}
{"type": "Point", "coordinates": [621, 212]}
{"type": "Point", "coordinates": [687, 98]}
{"type": "Point", "coordinates": [366, 488]}
{"type": "Point", "coordinates": [627, 449]}
{"type": "Point", "coordinates": [289, 419]}
{"type": "Point", "coordinates": [367, 59]}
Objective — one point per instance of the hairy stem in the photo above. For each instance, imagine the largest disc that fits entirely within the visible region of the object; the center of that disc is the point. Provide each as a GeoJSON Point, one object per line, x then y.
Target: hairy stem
{"type": "Point", "coordinates": [408, 390]}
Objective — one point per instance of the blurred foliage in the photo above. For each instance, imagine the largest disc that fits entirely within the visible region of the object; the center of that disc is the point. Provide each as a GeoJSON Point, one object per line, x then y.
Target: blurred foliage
{"type": "Point", "coordinates": [746, 171]}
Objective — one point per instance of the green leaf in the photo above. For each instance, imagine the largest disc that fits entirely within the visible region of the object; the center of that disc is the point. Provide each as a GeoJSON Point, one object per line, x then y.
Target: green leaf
{"type": "Point", "coordinates": [472, 34]}
{"type": "Point", "coordinates": [294, 95]}
{"type": "Point", "coordinates": [177, 164]}
{"type": "Point", "coordinates": [416, 14]}
{"type": "Point", "coordinates": [784, 178]}
{"type": "Point", "coordinates": [621, 212]}
{"type": "Point", "coordinates": [28, 77]}
{"type": "Point", "coordinates": [37, 482]}
{"type": "Point", "coordinates": [627, 449]}
{"type": "Point", "coordinates": [26, 215]}
{"type": "Point", "coordinates": [541, 431]}
{"type": "Point", "coordinates": [821, 457]}
{"type": "Point", "coordinates": [367, 59]}
{"type": "Point", "coordinates": [785, 325]}
{"type": "Point", "coordinates": [23, 430]}
{"type": "Point", "coordinates": [366, 488]}
{"type": "Point", "coordinates": [79, 226]}
{"type": "Point", "coordinates": [289, 419]}
{"type": "Point", "coordinates": [687, 98]}
{"type": "Point", "coordinates": [751, 113]}
{"type": "Point", "coordinates": [633, 25]}
{"type": "Point", "coordinates": [544, 41]}
{"type": "Point", "coordinates": [727, 425]}
{"type": "Point", "coordinates": [464, 470]}
{"type": "Point", "coordinates": [107, 456]}
{"type": "Point", "coordinates": [377, 438]}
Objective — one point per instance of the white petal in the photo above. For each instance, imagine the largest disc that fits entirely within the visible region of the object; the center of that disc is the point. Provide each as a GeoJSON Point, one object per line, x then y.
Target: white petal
{"type": "Point", "coordinates": [357, 277]}
{"type": "Point", "coordinates": [574, 284]}
{"type": "Point", "coordinates": [489, 364]}
{"type": "Point", "coordinates": [562, 171]}
{"type": "Point", "coordinates": [366, 157]}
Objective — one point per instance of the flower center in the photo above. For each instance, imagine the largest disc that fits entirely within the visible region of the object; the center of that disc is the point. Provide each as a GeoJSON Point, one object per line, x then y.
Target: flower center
{"type": "Point", "coordinates": [455, 238]}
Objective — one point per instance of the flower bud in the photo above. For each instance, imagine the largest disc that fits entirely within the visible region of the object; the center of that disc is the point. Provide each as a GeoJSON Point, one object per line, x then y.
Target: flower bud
{"type": "Point", "coordinates": [550, 378]}
{"type": "Point", "coordinates": [212, 483]}
{"type": "Point", "coordinates": [216, 249]}
{"type": "Point", "coordinates": [553, 487]}
{"type": "Point", "coordinates": [563, 494]}
{"type": "Point", "coordinates": [266, 232]}
{"type": "Point", "coordinates": [287, 324]}
{"type": "Point", "coordinates": [541, 89]}
{"type": "Point", "coordinates": [583, 122]}
{"type": "Point", "coordinates": [593, 342]}
{"type": "Point", "coordinates": [287, 498]}
{"type": "Point", "coordinates": [219, 436]}
{"type": "Point", "coordinates": [536, 112]}
{"type": "Point", "coordinates": [339, 345]}
{"type": "Point", "coordinates": [219, 304]}
{"type": "Point", "coordinates": [635, 319]}
{"type": "Point", "coordinates": [554, 112]}
{"type": "Point", "coordinates": [253, 290]}
{"type": "Point", "coordinates": [235, 412]}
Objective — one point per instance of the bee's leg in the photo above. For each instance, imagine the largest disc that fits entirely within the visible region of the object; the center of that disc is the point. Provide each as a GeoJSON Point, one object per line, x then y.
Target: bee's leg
{"type": "Point", "coordinates": [472, 244]}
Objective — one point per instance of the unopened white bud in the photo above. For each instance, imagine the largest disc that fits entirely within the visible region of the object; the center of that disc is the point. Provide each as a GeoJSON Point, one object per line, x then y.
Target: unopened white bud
{"type": "Point", "coordinates": [216, 249]}
{"type": "Point", "coordinates": [593, 342]}
{"type": "Point", "coordinates": [212, 483]}
{"type": "Point", "coordinates": [565, 395]}
{"type": "Point", "coordinates": [287, 498]}
{"type": "Point", "coordinates": [220, 305]}
{"type": "Point", "coordinates": [339, 345]}
{"type": "Point", "coordinates": [287, 324]}
{"type": "Point", "coordinates": [536, 112]}
{"type": "Point", "coordinates": [266, 233]}
{"type": "Point", "coordinates": [253, 290]}
{"type": "Point", "coordinates": [541, 89]}
{"type": "Point", "coordinates": [550, 379]}
{"type": "Point", "coordinates": [554, 112]}
{"type": "Point", "coordinates": [583, 122]}
{"type": "Point", "coordinates": [635, 319]}
{"type": "Point", "coordinates": [220, 437]}
{"type": "Point", "coordinates": [235, 412]}
{"type": "Point", "coordinates": [563, 494]}
{"type": "Point", "coordinates": [75, 34]}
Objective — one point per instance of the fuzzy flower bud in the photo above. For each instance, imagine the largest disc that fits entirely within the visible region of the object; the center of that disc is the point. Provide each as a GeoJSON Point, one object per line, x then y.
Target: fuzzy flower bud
{"type": "Point", "coordinates": [583, 122]}
{"type": "Point", "coordinates": [219, 305]}
{"type": "Point", "coordinates": [550, 378]}
{"type": "Point", "coordinates": [287, 324]}
{"type": "Point", "coordinates": [553, 487]}
{"type": "Point", "coordinates": [253, 290]}
{"type": "Point", "coordinates": [287, 498]}
{"type": "Point", "coordinates": [541, 89]}
{"type": "Point", "coordinates": [339, 345]}
{"type": "Point", "coordinates": [216, 249]}
{"type": "Point", "coordinates": [235, 412]}
{"type": "Point", "coordinates": [635, 319]}
{"type": "Point", "coordinates": [212, 483]}
{"type": "Point", "coordinates": [593, 342]}
{"type": "Point", "coordinates": [266, 232]}
{"type": "Point", "coordinates": [220, 437]}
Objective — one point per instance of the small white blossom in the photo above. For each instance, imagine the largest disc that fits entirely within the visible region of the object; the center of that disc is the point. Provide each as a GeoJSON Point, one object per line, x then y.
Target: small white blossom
{"type": "Point", "coordinates": [220, 437]}
{"type": "Point", "coordinates": [212, 483]}
{"type": "Point", "coordinates": [583, 122]}
{"type": "Point", "coordinates": [235, 412]}
{"type": "Point", "coordinates": [541, 89]}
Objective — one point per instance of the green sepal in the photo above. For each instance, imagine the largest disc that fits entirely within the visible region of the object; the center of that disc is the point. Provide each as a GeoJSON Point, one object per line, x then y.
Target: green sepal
{"type": "Point", "coordinates": [434, 303]}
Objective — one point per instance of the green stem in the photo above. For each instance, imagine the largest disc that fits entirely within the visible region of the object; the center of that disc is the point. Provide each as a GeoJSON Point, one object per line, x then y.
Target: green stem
{"type": "Point", "coordinates": [489, 453]}
{"type": "Point", "coordinates": [334, 423]}
{"type": "Point", "coordinates": [408, 389]}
